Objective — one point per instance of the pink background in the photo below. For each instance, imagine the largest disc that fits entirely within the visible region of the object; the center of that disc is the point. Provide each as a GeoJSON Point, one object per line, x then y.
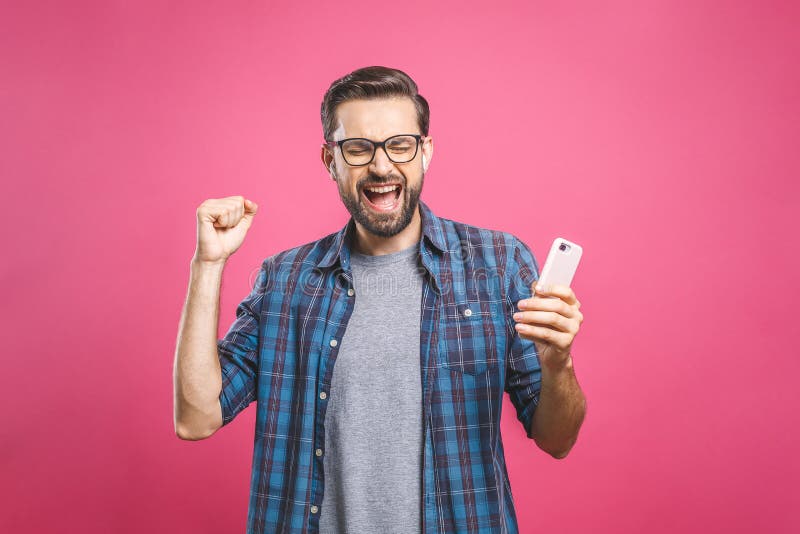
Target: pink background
{"type": "Point", "coordinates": [662, 136]}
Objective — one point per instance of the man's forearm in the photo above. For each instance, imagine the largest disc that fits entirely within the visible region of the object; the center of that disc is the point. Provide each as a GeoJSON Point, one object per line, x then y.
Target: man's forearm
{"type": "Point", "coordinates": [560, 412]}
{"type": "Point", "coordinates": [197, 372]}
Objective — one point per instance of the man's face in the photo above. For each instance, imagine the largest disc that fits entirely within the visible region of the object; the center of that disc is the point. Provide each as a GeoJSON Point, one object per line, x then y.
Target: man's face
{"type": "Point", "coordinates": [380, 211]}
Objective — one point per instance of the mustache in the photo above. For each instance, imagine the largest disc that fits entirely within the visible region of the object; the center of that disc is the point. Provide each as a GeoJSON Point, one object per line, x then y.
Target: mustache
{"type": "Point", "coordinates": [374, 179]}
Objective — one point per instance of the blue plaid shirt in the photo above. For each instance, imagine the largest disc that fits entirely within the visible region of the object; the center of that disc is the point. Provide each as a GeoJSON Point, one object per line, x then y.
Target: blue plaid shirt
{"type": "Point", "coordinates": [281, 349]}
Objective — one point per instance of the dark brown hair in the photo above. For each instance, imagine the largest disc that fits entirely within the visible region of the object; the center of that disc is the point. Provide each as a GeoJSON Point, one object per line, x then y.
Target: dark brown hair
{"type": "Point", "coordinates": [371, 83]}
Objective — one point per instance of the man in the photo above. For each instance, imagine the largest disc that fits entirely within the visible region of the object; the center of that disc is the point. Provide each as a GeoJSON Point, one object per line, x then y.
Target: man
{"type": "Point", "coordinates": [379, 354]}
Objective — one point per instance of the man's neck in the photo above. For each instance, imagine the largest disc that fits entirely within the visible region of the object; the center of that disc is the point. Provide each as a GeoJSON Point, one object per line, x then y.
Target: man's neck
{"type": "Point", "coordinates": [375, 245]}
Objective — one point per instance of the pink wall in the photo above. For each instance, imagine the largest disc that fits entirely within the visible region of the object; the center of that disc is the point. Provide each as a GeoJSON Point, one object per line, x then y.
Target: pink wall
{"type": "Point", "coordinates": [662, 138]}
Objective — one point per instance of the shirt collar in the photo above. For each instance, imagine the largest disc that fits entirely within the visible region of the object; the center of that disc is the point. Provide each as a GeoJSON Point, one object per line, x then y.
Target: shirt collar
{"type": "Point", "coordinates": [340, 245]}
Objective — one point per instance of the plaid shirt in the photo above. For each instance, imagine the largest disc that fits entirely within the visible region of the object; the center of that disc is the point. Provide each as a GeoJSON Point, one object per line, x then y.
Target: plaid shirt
{"type": "Point", "coordinates": [282, 346]}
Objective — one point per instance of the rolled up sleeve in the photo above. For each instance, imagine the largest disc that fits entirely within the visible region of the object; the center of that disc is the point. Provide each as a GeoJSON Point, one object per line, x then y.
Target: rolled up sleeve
{"type": "Point", "coordinates": [239, 352]}
{"type": "Point", "coordinates": [523, 380]}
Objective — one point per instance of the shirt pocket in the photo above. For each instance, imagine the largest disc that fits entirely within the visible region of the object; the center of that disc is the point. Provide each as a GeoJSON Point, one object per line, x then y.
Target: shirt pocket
{"type": "Point", "coordinates": [469, 336]}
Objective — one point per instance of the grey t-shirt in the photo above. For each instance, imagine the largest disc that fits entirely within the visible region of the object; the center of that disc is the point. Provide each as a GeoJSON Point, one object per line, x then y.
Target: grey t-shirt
{"type": "Point", "coordinates": [373, 423]}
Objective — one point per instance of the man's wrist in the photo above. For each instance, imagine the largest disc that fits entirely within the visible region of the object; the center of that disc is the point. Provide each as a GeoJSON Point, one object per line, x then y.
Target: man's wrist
{"type": "Point", "coordinates": [206, 267]}
{"type": "Point", "coordinates": [564, 364]}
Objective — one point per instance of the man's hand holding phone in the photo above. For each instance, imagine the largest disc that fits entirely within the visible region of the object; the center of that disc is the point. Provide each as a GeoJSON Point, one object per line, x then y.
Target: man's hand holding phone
{"type": "Point", "coordinates": [551, 318]}
{"type": "Point", "coordinates": [552, 323]}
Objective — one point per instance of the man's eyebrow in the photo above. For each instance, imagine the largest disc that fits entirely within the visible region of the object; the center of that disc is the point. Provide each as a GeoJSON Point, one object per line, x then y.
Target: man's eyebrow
{"type": "Point", "coordinates": [371, 139]}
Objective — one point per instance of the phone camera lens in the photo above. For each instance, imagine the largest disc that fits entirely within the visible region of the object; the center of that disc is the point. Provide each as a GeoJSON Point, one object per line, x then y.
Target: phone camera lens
{"type": "Point", "coordinates": [562, 246]}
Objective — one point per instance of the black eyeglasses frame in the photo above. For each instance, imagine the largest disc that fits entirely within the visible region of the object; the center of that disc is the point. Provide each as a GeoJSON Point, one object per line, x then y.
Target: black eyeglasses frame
{"type": "Point", "coordinates": [375, 146]}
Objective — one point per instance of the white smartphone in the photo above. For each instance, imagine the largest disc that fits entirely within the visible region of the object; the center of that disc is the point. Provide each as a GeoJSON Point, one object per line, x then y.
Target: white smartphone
{"type": "Point", "coordinates": [561, 264]}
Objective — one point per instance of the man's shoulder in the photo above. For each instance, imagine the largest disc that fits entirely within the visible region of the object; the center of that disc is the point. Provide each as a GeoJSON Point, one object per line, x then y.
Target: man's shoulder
{"type": "Point", "coordinates": [486, 240]}
{"type": "Point", "coordinates": [499, 251]}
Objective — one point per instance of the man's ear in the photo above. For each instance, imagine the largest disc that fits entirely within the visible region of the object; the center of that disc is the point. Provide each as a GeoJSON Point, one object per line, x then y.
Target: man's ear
{"type": "Point", "coordinates": [331, 164]}
{"type": "Point", "coordinates": [425, 161]}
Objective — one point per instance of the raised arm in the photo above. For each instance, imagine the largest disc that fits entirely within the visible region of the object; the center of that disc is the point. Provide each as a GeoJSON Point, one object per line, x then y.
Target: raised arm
{"type": "Point", "coordinates": [221, 227]}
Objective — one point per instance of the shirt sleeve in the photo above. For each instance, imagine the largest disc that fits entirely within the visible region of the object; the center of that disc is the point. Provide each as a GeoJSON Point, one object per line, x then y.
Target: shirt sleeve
{"type": "Point", "coordinates": [238, 352]}
{"type": "Point", "coordinates": [523, 372]}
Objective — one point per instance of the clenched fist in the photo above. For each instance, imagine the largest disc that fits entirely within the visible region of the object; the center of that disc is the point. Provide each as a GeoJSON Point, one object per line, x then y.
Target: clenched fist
{"type": "Point", "coordinates": [222, 224]}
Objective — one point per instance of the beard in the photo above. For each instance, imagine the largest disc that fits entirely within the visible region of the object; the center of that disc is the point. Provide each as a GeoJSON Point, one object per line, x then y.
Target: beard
{"type": "Point", "coordinates": [382, 224]}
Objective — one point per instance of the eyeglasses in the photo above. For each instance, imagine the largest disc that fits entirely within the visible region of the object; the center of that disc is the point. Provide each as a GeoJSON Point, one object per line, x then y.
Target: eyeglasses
{"type": "Point", "coordinates": [358, 151]}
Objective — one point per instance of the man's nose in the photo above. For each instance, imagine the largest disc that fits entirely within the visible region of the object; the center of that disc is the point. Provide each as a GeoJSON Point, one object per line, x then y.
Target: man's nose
{"type": "Point", "coordinates": [381, 164]}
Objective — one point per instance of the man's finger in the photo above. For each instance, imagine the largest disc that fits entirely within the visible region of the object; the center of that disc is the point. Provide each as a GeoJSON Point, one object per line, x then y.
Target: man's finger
{"type": "Point", "coordinates": [549, 319]}
{"type": "Point", "coordinates": [546, 304]}
{"type": "Point", "coordinates": [542, 333]}
{"type": "Point", "coordinates": [556, 290]}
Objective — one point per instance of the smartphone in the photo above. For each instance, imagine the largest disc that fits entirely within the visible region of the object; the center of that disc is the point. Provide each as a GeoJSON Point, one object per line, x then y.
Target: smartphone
{"type": "Point", "coordinates": [561, 264]}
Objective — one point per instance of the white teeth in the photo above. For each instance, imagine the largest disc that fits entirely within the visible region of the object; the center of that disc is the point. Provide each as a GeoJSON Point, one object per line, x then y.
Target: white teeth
{"type": "Point", "coordinates": [384, 189]}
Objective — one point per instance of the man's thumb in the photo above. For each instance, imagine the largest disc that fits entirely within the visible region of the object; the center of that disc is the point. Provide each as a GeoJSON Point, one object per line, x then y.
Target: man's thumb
{"type": "Point", "coordinates": [250, 207]}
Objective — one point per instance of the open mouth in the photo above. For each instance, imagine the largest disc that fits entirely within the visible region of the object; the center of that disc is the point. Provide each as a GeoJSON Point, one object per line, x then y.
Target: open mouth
{"type": "Point", "coordinates": [383, 197]}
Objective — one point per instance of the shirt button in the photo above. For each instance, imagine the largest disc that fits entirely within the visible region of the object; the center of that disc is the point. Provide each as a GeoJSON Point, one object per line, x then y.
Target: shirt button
{"type": "Point", "coordinates": [334, 342]}
{"type": "Point", "coordinates": [314, 509]}
{"type": "Point", "coordinates": [351, 292]}
{"type": "Point", "coordinates": [467, 313]}
{"type": "Point", "coordinates": [323, 395]}
{"type": "Point", "coordinates": [319, 452]}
